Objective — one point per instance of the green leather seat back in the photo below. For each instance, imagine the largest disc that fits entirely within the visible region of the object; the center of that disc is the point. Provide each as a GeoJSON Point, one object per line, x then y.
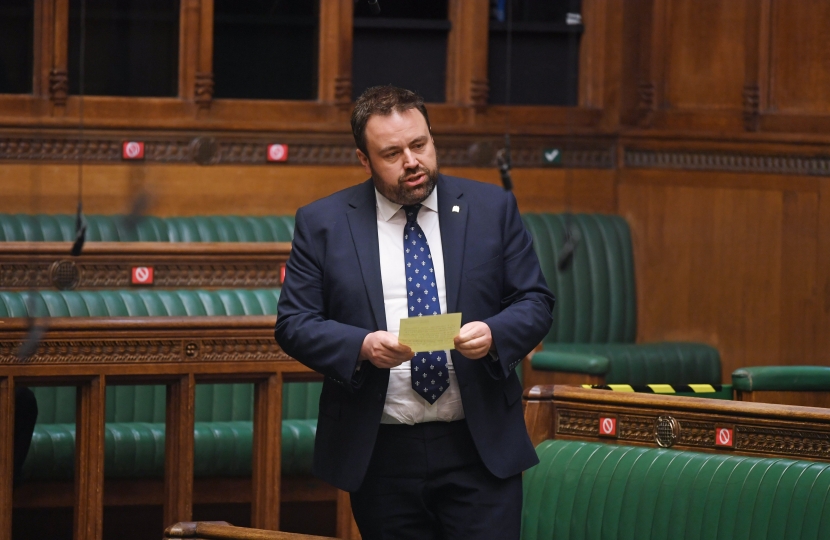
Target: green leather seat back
{"type": "Point", "coordinates": [136, 449]}
{"type": "Point", "coordinates": [136, 413]}
{"type": "Point", "coordinates": [644, 363]}
{"type": "Point", "coordinates": [112, 228]}
{"type": "Point", "coordinates": [596, 295]}
{"type": "Point", "coordinates": [596, 308]}
{"type": "Point", "coordinates": [592, 491]}
{"type": "Point", "coordinates": [140, 303]}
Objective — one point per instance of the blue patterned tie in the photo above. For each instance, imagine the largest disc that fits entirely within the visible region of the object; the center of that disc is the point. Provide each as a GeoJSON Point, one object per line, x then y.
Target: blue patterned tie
{"type": "Point", "coordinates": [430, 377]}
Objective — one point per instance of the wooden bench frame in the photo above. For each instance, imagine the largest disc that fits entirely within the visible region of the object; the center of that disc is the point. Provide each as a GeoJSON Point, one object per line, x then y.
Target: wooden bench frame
{"type": "Point", "coordinates": [757, 429]}
{"type": "Point", "coordinates": [176, 351]}
{"type": "Point", "coordinates": [108, 265]}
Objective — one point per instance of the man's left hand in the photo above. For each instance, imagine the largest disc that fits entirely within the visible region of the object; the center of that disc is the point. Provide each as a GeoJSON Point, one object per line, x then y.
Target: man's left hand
{"type": "Point", "coordinates": [474, 340]}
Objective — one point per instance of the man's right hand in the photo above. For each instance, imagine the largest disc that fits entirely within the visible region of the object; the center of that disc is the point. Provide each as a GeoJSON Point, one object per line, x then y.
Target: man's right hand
{"type": "Point", "coordinates": [383, 350]}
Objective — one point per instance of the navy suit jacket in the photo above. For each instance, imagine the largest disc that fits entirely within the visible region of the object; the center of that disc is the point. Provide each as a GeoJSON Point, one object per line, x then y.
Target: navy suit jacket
{"type": "Point", "coordinates": [332, 298]}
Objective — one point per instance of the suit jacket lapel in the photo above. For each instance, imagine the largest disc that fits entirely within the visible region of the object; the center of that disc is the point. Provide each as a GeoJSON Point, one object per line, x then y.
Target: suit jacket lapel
{"type": "Point", "coordinates": [452, 216]}
{"type": "Point", "coordinates": [364, 228]}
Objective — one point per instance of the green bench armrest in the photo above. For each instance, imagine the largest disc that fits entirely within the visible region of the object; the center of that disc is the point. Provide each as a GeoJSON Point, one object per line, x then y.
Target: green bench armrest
{"type": "Point", "coordinates": [592, 364]}
{"type": "Point", "coordinates": [782, 378]}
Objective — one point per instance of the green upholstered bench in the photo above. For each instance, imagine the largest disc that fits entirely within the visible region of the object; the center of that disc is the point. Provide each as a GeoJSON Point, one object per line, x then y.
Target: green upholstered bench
{"type": "Point", "coordinates": [592, 339]}
{"type": "Point", "coordinates": [112, 228]}
{"type": "Point", "coordinates": [788, 385]}
{"type": "Point", "coordinates": [135, 414]}
{"type": "Point", "coordinates": [586, 491]}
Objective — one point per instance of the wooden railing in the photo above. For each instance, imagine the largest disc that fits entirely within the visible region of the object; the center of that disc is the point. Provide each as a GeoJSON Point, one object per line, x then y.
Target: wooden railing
{"type": "Point", "coordinates": [686, 423]}
{"type": "Point", "coordinates": [107, 265]}
{"type": "Point", "coordinates": [176, 351]}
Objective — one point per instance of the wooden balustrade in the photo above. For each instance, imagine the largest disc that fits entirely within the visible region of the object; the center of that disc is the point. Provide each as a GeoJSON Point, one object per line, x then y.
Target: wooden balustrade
{"type": "Point", "coordinates": [177, 351]}
{"type": "Point", "coordinates": [27, 265]}
{"type": "Point", "coordinates": [686, 423]}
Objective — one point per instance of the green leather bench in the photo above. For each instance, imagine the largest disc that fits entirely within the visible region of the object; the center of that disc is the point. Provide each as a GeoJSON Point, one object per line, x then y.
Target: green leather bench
{"type": "Point", "coordinates": [592, 491]}
{"type": "Point", "coordinates": [112, 228]}
{"type": "Point", "coordinates": [595, 321]}
{"type": "Point", "coordinates": [788, 385]}
{"type": "Point", "coordinates": [135, 414]}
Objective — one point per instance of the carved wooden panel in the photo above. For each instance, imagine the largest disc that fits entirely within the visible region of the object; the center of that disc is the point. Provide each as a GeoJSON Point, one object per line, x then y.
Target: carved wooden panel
{"type": "Point", "coordinates": [108, 265]}
{"type": "Point", "coordinates": [760, 429]}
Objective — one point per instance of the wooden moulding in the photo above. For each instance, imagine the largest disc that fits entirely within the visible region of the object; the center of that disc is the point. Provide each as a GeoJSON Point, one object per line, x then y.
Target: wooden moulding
{"type": "Point", "coordinates": [758, 429]}
{"type": "Point", "coordinates": [220, 530]}
{"type": "Point", "coordinates": [105, 265]}
{"type": "Point", "coordinates": [178, 351]}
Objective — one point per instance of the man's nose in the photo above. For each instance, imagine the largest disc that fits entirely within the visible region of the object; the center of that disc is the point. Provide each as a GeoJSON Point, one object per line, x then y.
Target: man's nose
{"type": "Point", "coordinates": [410, 161]}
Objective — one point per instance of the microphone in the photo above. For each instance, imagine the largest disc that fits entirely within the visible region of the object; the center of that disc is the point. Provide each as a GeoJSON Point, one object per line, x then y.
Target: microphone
{"type": "Point", "coordinates": [137, 211]}
{"type": "Point", "coordinates": [375, 7]}
{"type": "Point", "coordinates": [572, 237]}
{"type": "Point", "coordinates": [36, 330]}
{"type": "Point", "coordinates": [503, 160]}
{"type": "Point", "coordinates": [80, 232]}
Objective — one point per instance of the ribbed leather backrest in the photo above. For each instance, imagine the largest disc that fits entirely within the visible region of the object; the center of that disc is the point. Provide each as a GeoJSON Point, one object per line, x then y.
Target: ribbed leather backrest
{"type": "Point", "coordinates": [595, 295]}
{"type": "Point", "coordinates": [140, 303]}
{"type": "Point", "coordinates": [592, 491]}
{"type": "Point", "coordinates": [112, 228]}
{"type": "Point", "coordinates": [214, 402]}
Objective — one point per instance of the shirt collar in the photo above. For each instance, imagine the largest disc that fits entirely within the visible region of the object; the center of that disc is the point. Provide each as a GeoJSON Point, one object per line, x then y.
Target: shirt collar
{"type": "Point", "coordinates": [388, 209]}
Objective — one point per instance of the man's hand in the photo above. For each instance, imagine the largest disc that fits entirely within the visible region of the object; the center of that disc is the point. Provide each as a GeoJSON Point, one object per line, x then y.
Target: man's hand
{"type": "Point", "coordinates": [474, 340]}
{"type": "Point", "coordinates": [384, 351]}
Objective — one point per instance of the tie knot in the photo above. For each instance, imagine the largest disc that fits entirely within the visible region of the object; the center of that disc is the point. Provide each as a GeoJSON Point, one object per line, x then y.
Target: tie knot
{"type": "Point", "coordinates": [412, 212]}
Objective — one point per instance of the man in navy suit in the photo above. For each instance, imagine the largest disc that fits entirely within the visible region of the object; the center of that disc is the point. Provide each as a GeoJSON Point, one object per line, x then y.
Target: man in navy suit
{"type": "Point", "coordinates": [419, 462]}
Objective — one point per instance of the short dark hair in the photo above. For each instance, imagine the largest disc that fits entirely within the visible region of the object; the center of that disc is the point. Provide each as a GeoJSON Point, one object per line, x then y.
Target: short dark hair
{"type": "Point", "coordinates": [382, 100]}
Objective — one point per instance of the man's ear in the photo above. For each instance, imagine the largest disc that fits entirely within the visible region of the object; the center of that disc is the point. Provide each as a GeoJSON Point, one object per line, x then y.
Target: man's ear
{"type": "Point", "coordinates": [364, 160]}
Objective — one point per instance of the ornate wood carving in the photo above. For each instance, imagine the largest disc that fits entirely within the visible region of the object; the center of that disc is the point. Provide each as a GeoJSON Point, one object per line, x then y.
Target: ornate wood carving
{"type": "Point", "coordinates": [96, 351]}
{"type": "Point", "coordinates": [760, 429]}
{"type": "Point", "coordinates": [108, 265]}
{"type": "Point", "coordinates": [456, 152]}
{"type": "Point", "coordinates": [646, 104]}
{"type": "Point", "coordinates": [58, 86]}
{"type": "Point", "coordinates": [479, 93]}
{"type": "Point", "coordinates": [722, 161]}
{"type": "Point", "coordinates": [203, 90]}
{"type": "Point", "coordinates": [752, 111]}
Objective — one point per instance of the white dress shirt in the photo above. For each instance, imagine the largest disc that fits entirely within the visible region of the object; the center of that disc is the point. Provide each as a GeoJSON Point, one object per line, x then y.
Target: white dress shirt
{"type": "Point", "coordinates": [404, 405]}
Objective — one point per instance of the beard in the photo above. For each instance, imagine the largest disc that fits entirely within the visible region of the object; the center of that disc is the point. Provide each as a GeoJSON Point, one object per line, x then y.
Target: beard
{"type": "Point", "coordinates": [400, 193]}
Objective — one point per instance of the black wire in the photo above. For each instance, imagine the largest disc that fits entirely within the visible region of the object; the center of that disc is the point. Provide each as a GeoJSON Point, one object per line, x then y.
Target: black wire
{"type": "Point", "coordinates": [80, 222]}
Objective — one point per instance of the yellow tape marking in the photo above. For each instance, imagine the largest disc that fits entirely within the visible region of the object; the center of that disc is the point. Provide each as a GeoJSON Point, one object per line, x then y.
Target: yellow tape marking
{"type": "Point", "coordinates": [662, 388]}
{"type": "Point", "coordinates": [621, 387]}
{"type": "Point", "coordinates": [702, 387]}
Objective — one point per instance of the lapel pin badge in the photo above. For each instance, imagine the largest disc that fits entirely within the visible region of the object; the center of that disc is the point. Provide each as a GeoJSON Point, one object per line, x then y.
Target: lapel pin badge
{"type": "Point", "coordinates": [456, 209]}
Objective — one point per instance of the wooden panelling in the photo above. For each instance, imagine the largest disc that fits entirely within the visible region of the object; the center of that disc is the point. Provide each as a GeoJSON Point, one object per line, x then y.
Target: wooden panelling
{"type": "Point", "coordinates": [188, 190]}
{"type": "Point", "coordinates": [800, 74]}
{"type": "Point", "coordinates": [704, 64]}
{"type": "Point", "coordinates": [728, 263]}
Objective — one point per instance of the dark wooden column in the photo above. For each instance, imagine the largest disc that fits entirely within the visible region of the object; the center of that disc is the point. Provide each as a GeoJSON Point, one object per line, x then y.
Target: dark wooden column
{"type": "Point", "coordinates": [467, 53]}
{"type": "Point", "coordinates": [89, 459]}
{"type": "Point", "coordinates": [196, 52]}
{"type": "Point", "coordinates": [652, 56]}
{"type": "Point", "coordinates": [51, 43]}
{"type": "Point", "coordinates": [335, 59]}
{"type": "Point", "coordinates": [758, 21]}
{"type": "Point", "coordinates": [6, 455]}
{"type": "Point", "coordinates": [178, 452]}
{"type": "Point", "coordinates": [265, 507]}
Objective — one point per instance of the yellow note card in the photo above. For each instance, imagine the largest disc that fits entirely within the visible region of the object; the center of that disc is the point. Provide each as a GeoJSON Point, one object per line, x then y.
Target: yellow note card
{"type": "Point", "coordinates": [430, 333]}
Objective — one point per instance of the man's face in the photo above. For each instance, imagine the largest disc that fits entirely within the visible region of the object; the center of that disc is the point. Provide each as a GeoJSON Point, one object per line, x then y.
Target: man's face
{"type": "Point", "coordinates": [401, 156]}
